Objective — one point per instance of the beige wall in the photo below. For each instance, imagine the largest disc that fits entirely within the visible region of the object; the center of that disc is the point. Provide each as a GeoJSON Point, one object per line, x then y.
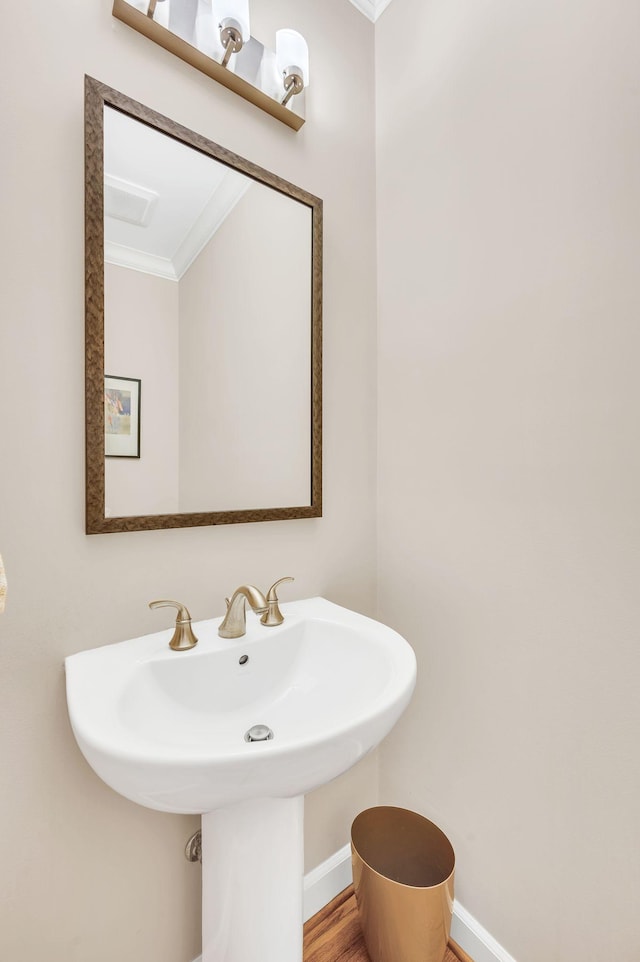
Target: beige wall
{"type": "Point", "coordinates": [142, 340]}
{"type": "Point", "coordinates": [245, 384]}
{"type": "Point", "coordinates": [86, 874]}
{"type": "Point", "coordinates": [509, 296]}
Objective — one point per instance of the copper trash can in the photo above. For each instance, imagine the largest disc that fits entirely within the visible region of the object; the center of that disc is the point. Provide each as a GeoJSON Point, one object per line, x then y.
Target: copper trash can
{"type": "Point", "coordinates": [403, 868]}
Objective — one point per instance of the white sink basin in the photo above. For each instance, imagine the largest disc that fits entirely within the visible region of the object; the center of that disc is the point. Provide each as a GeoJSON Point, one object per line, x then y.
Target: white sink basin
{"type": "Point", "coordinates": [166, 729]}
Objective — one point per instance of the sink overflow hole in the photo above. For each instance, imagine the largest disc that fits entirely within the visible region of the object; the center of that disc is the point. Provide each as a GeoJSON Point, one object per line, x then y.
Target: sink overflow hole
{"type": "Point", "coordinates": [258, 733]}
{"type": "Point", "coordinates": [243, 659]}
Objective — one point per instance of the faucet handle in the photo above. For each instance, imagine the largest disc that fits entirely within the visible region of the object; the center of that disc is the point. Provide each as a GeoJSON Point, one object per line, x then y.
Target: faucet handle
{"type": "Point", "coordinates": [183, 637]}
{"type": "Point", "coordinates": [273, 615]}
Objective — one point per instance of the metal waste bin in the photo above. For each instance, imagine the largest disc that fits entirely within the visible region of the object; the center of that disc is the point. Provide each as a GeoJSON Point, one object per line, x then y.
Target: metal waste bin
{"type": "Point", "coordinates": [403, 868]}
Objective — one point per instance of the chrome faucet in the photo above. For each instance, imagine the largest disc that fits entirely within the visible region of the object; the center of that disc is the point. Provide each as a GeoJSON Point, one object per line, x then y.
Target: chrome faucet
{"type": "Point", "coordinates": [234, 624]}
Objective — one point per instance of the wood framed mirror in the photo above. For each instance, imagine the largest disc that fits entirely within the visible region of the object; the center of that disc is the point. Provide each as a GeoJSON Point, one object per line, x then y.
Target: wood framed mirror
{"type": "Point", "coordinates": [203, 329]}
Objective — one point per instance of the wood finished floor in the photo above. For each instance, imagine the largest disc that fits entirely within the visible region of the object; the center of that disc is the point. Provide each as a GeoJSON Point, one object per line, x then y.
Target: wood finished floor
{"type": "Point", "coordinates": [334, 934]}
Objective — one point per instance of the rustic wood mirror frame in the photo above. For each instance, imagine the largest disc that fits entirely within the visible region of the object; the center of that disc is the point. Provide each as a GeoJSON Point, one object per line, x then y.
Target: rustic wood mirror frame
{"type": "Point", "coordinates": [97, 96]}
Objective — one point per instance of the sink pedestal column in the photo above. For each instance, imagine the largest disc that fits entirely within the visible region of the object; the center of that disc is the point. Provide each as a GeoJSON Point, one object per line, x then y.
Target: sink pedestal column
{"type": "Point", "coordinates": [252, 878]}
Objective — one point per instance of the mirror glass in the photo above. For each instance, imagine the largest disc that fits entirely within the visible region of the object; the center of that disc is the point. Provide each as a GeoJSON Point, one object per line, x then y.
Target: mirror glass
{"type": "Point", "coordinates": [210, 315]}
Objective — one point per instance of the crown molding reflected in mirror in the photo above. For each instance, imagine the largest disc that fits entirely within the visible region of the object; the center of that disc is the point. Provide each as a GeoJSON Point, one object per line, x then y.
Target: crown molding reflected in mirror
{"type": "Point", "coordinates": [253, 71]}
{"type": "Point", "coordinates": [271, 435]}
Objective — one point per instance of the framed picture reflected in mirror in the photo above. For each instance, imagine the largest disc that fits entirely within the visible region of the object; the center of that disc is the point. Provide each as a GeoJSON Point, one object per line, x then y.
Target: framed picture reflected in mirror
{"type": "Point", "coordinates": [121, 417]}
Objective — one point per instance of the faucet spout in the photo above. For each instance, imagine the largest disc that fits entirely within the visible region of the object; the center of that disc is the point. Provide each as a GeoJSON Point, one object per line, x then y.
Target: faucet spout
{"type": "Point", "coordinates": [234, 624]}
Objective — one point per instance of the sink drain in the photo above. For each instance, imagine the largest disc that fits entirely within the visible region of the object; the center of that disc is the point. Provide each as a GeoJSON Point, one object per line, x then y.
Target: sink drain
{"type": "Point", "coordinates": [258, 733]}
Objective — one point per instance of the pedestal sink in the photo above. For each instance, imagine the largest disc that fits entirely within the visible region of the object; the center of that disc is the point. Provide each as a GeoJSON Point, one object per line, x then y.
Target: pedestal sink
{"type": "Point", "coordinates": [168, 730]}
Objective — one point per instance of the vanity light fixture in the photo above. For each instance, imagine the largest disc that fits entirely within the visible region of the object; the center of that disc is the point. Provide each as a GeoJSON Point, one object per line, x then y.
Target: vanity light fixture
{"type": "Point", "coordinates": [292, 57]}
{"type": "Point", "coordinates": [232, 18]}
{"type": "Point", "coordinates": [158, 13]}
{"type": "Point", "coordinates": [207, 34]}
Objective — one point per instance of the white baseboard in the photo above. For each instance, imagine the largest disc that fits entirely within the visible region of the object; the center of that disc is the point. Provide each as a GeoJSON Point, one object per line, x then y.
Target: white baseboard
{"type": "Point", "coordinates": [326, 881]}
{"type": "Point", "coordinates": [332, 876]}
{"type": "Point", "coordinates": [474, 938]}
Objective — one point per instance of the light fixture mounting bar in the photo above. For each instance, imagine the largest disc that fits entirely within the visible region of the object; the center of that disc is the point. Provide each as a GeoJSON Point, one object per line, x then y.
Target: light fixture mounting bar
{"type": "Point", "coordinates": [143, 24]}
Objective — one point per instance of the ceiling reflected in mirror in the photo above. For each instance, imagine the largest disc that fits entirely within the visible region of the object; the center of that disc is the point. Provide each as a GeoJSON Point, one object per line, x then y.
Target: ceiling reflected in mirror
{"type": "Point", "coordinates": [142, 166]}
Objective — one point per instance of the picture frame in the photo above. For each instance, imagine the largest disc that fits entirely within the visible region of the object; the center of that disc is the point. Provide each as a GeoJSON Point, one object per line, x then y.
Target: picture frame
{"type": "Point", "coordinates": [121, 417]}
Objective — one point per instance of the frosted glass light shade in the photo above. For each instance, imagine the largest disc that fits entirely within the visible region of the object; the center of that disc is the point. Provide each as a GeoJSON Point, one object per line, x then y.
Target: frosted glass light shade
{"type": "Point", "coordinates": [161, 14]}
{"type": "Point", "coordinates": [292, 51]}
{"type": "Point", "coordinates": [234, 10]}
